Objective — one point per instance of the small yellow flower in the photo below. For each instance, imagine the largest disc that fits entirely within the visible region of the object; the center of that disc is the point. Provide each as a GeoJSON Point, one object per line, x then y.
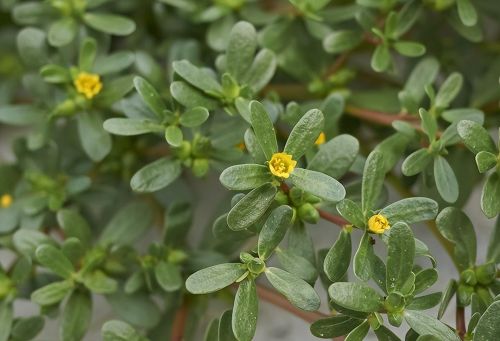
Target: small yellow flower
{"type": "Point", "coordinates": [88, 84]}
{"type": "Point", "coordinates": [5, 200]}
{"type": "Point", "coordinates": [321, 139]}
{"type": "Point", "coordinates": [378, 224]}
{"type": "Point", "coordinates": [282, 165]}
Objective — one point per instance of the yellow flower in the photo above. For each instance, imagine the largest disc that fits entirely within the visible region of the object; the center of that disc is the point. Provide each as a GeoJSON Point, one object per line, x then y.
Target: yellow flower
{"type": "Point", "coordinates": [321, 139]}
{"type": "Point", "coordinates": [378, 224]}
{"type": "Point", "coordinates": [5, 200]}
{"type": "Point", "coordinates": [282, 165]}
{"type": "Point", "coordinates": [88, 84]}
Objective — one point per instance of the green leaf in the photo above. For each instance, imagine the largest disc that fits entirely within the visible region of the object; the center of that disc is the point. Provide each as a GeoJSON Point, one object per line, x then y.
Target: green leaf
{"type": "Point", "coordinates": [99, 283]}
{"type": "Point", "coordinates": [26, 241]}
{"type": "Point", "coordinates": [261, 71]}
{"type": "Point", "coordinates": [318, 184]}
{"type": "Point", "coordinates": [296, 290]}
{"type": "Point", "coordinates": [114, 90]}
{"type": "Point", "coordinates": [336, 156]}
{"type": "Point", "coordinates": [96, 142]}
{"type": "Point", "coordinates": [489, 198]}
{"type": "Point", "coordinates": [253, 205]}
{"type": "Point", "coordinates": [385, 334]}
{"type": "Point", "coordinates": [355, 296]}
{"type": "Point", "coordinates": [194, 117]}
{"type": "Point", "coordinates": [52, 293]}
{"type": "Point", "coordinates": [400, 256]}
{"type": "Point", "coordinates": [488, 326]}
{"type": "Point", "coordinates": [373, 181]}
{"type": "Point", "coordinates": [425, 302]}
{"type": "Point", "coordinates": [297, 265]}
{"type": "Point", "coordinates": [381, 58]}
{"type": "Point", "coordinates": [416, 162]}
{"type": "Point", "coordinates": [485, 161]}
{"type": "Point", "coordinates": [26, 328]}
{"type": "Point", "coordinates": [241, 49]}
{"type": "Point", "coordinates": [56, 74]}
{"type": "Point", "coordinates": [128, 224]}
{"type": "Point", "coordinates": [174, 136]}
{"type": "Point", "coordinates": [358, 333]}
{"type": "Point", "coordinates": [342, 40]}
{"type": "Point", "coordinates": [115, 330]}
{"type": "Point", "coordinates": [447, 296]}
{"type": "Point", "coordinates": [351, 212]}
{"type": "Point", "coordinates": [245, 311]}
{"type": "Point", "coordinates": [131, 126]}
{"type": "Point", "coordinates": [493, 249]}
{"type": "Point", "coordinates": [475, 137]}
{"type": "Point", "coordinates": [145, 314]}
{"type": "Point", "coordinates": [363, 258]}
{"type": "Point", "coordinates": [424, 279]}
{"type": "Point", "coordinates": [156, 175]}
{"type": "Point", "coordinates": [53, 259]}
{"type": "Point", "coordinates": [109, 23]}
{"type": "Point", "coordinates": [20, 115]}
{"type": "Point", "coordinates": [422, 75]}
{"type": "Point", "coordinates": [226, 327]}
{"type": "Point", "coordinates": [212, 331]}
{"type": "Point", "coordinates": [150, 97]}
{"type": "Point", "coordinates": [449, 90]}
{"type": "Point", "coordinates": [113, 63]}
{"type": "Point", "coordinates": [62, 32]}
{"type": "Point", "coordinates": [168, 276]}
{"type": "Point", "coordinates": [274, 230]}
{"type": "Point", "coordinates": [411, 210]}
{"type": "Point", "coordinates": [76, 317]}
{"type": "Point", "coordinates": [429, 123]}
{"type": "Point", "coordinates": [334, 326]}
{"type": "Point", "coordinates": [338, 258]}
{"type": "Point", "coordinates": [214, 278]}
{"type": "Point", "coordinates": [424, 324]}
{"type": "Point", "coordinates": [245, 177]}
{"type": "Point", "coordinates": [446, 181]}
{"type": "Point", "coordinates": [304, 133]}
{"type": "Point", "coordinates": [190, 97]}
{"type": "Point", "coordinates": [197, 77]}
{"type": "Point", "coordinates": [74, 225]}
{"type": "Point", "coordinates": [263, 129]}
{"type": "Point", "coordinates": [6, 319]}
{"type": "Point", "coordinates": [409, 48]}
{"type": "Point", "coordinates": [467, 12]}
{"type": "Point", "coordinates": [88, 50]}
{"type": "Point", "coordinates": [455, 226]}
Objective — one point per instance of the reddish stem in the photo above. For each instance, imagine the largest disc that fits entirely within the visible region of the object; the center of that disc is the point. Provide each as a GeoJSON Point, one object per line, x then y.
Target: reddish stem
{"type": "Point", "coordinates": [179, 323]}
{"type": "Point", "coordinates": [460, 321]}
{"type": "Point", "coordinates": [339, 221]}
{"type": "Point", "coordinates": [278, 300]}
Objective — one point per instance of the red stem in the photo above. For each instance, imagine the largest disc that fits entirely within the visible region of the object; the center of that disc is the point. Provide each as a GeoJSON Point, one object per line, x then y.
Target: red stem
{"type": "Point", "coordinates": [460, 321]}
{"type": "Point", "coordinates": [339, 221]}
{"type": "Point", "coordinates": [179, 323]}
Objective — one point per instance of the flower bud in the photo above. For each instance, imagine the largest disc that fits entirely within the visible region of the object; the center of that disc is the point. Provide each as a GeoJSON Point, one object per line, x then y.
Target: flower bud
{"type": "Point", "coordinates": [200, 167]}
{"type": "Point", "coordinates": [395, 319]}
{"type": "Point", "coordinates": [464, 294]}
{"type": "Point", "coordinates": [308, 213]}
{"type": "Point", "coordinates": [281, 198]}
{"type": "Point", "coordinates": [468, 277]}
{"type": "Point", "coordinates": [256, 266]}
{"type": "Point", "coordinates": [486, 273]}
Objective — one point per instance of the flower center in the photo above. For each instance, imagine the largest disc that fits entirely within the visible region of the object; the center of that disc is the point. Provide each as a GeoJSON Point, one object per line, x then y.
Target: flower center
{"type": "Point", "coordinates": [88, 84]}
{"type": "Point", "coordinates": [378, 224]}
{"type": "Point", "coordinates": [281, 165]}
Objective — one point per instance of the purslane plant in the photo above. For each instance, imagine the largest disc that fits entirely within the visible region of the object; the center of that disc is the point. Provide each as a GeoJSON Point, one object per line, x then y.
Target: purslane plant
{"type": "Point", "coordinates": [378, 117]}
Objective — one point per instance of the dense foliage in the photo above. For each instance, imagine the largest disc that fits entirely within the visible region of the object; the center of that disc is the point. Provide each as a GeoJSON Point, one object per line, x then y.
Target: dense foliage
{"type": "Point", "coordinates": [304, 109]}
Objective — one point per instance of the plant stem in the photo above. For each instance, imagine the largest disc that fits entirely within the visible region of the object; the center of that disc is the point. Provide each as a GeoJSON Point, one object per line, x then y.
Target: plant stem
{"type": "Point", "coordinates": [276, 299]}
{"type": "Point", "coordinates": [179, 323]}
{"type": "Point", "coordinates": [460, 321]}
{"type": "Point", "coordinates": [339, 221]}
